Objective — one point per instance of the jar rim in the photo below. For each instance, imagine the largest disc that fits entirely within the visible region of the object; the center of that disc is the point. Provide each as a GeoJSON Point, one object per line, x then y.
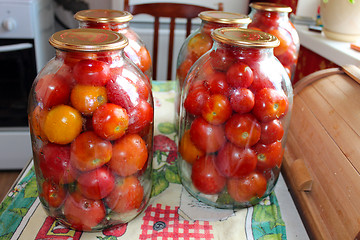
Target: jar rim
{"type": "Point", "coordinates": [88, 40]}
{"type": "Point", "coordinates": [272, 7]}
{"type": "Point", "coordinates": [245, 37]}
{"type": "Point", "coordinates": [103, 16]}
{"type": "Point", "coordinates": [224, 17]}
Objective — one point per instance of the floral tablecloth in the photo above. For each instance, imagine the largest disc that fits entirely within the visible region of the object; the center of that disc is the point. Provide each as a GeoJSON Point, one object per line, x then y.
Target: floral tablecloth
{"type": "Point", "coordinates": [171, 214]}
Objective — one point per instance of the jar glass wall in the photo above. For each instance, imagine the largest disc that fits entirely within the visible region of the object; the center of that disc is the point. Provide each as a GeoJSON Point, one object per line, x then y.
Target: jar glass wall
{"type": "Point", "coordinates": [119, 21]}
{"type": "Point", "coordinates": [235, 111]}
{"type": "Point", "coordinates": [90, 110]}
{"type": "Point", "coordinates": [273, 18]}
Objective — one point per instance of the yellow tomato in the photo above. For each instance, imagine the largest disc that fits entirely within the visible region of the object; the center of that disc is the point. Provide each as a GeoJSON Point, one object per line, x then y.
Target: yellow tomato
{"type": "Point", "coordinates": [62, 124]}
{"type": "Point", "coordinates": [87, 98]}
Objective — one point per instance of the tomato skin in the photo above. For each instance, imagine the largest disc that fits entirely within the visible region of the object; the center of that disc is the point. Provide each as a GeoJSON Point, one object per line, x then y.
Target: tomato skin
{"type": "Point", "coordinates": [83, 214]}
{"type": "Point", "coordinates": [247, 188]}
{"type": "Point", "coordinates": [183, 69]}
{"type": "Point", "coordinates": [268, 156]}
{"type": "Point", "coordinates": [239, 75]}
{"type": "Point", "coordinates": [53, 194]}
{"type": "Point", "coordinates": [242, 100]}
{"type": "Point", "coordinates": [207, 137]}
{"type": "Point", "coordinates": [243, 130]}
{"type": "Point", "coordinates": [205, 177]}
{"type": "Point", "coordinates": [129, 155]}
{"type": "Point", "coordinates": [221, 59]}
{"type": "Point", "coordinates": [91, 72]}
{"type": "Point", "coordinates": [271, 131]}
{"type": "Point", "coordinates": [127, 195]}
{"type": "Point", "coordinates": [217, 83]}
{"type": "Point", "coordinates": [199, 45]}
{"type": "Point", "coordinates": [145, 59]}
{"type": "Point", "coordinates": [110, 121]}
{"type": "Point", "coordinates": [55, 165]}
{"type": "Point", "coordinates": [97, 183]}
{"type": "Point", "coordinates": [52, 90]}
{"type": "Point", "coordinates": [233, 161]}
{"type": "Point", "coordinates": [140, 116]}
{"type": "Point", "coordinates": [189, 152]}
{"type": "Point", "coordinates": [87, 98]}
{"type": "Point", "coordinates": [270, 104]}
{"type": "Point", "coordinates": [217, 109]}
{"type": "Point", "coordinates": [196, 99]}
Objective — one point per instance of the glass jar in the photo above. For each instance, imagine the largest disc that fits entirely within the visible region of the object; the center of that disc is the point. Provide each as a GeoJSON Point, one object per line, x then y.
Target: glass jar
{"type": "Point", "coordinates": [91, 122]}
{"type": "Point", "coordinates": [119, 21]}
{"type": "Point", "coordinates": [273, 18]}
{"type": "Point", "coordinates": [200, 41]}
{"type": "Point", "coordinates": [235, 110]}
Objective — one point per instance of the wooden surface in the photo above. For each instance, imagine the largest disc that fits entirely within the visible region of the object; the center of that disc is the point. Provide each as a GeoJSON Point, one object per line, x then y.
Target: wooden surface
{"type": "Point", "coordinates": [7, 178]}
{"type": "Point", "coordinates": [325, 133]}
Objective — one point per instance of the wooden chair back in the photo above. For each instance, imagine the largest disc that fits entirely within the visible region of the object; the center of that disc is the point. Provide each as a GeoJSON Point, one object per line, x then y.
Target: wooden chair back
{"type": "Point", "coordinates": [172, 11]}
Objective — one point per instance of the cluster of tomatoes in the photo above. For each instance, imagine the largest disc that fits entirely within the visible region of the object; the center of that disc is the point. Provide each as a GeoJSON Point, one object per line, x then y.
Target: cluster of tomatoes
{"type": "Point", "coordinates": [275, 24]}
{"type": "Point", "coordinates": [233, 115]}
{"type": "Point", "coordinates": [197, 45]}
{"type": "Point", "coordinates": [91, 125]}
{"type": "Point", "coordinates": [136, 50]}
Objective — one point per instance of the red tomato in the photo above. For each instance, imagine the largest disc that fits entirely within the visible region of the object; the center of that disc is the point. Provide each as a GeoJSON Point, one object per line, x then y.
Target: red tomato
{"type": "Point", "coordinates": [247, 188]}
{"type": "Point", "coordinates": [260, 78]}
{"type": "Point", "coordinates": [221, 59]}
{"type": "Point", "coordinates": [83, 214]}
{"type": "Point", "coordinates": [89, 151]}
{"type": "Point", "coordinates": [123, 92]}
{"type": "Point", "coordinates": [53, 194]}
{"type": "Point", "coordinates": [242, 100]}
{"type": "Point", "coordinates": [271, 131]}
{"type": "Point", "coordinates": [239, 75]}
{"type": "Point", "coordinates": [189, 152]}
{"type": "Point", "coordinates": [110, 121]}
{"type": "Point", "coordinates": [97, 183]}
{"type": "Point", "coordinates": [205, 177]}
{"type": "Point", "coordinates": [98, 25]}
{"type": "Point", "coordinates": [233, 161]}
{"type": "Point", "coordinates": [183, 69]}
{"type": "Point", "coordinates": [145, 59]}
{"type": "Point", "coordinates": [217, 109]}
{"type": "Point", "coordinates": [207, 137]}
{"type": "Point", "coordinates": [52, 90]}
{"type": "Point", "coordinates": [284, 38]}
{"type": "Point", "coordinates": [129, 155]}
{"type": "Point", "coordinates": [127, 195]}
{"type": "Point", "coordinates": [196, 99]}
{"type": "Point", "coordinates": [268, 156]}
{"type": "Point", "coordinates": [289, 57]}
{"type": "Point", "coordinates": [140, 116]}
{"type": "Point", "coordinates": [217, 83]}
{"type": "Point", "coordinates": [91, 72]}
{"type": "Point", "coordinates": [243, 130]}
{"type": "Point", "coordinates": [270, 104]}
{"type": "Point", "coordinates": [265, 19]}
{"type": "Point", "coordinates": [54, 162]}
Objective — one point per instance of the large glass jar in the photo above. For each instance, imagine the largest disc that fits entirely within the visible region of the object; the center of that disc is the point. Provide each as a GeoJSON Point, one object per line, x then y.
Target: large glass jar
{"type": "Point", "coordinates": [273, 18]}
{"type": "Point", "coordinates": [91, 122]}
{"type": "Point", "coordinates": [235, 110]}
{"type": "Point", "coordinates": [200, 41]}
{"type": "Point", "coordinates": [119, 21]}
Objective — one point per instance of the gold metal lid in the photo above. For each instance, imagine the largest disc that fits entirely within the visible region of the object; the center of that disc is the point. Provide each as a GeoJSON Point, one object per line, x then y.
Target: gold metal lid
{"type": "Point", "coordinates": [245, 37]}
{"type": "Point", "coordinates": [103, 16]}
{"type": "Point", "coordinates": [224, 17]}
{"type": "Point", "coordinates": [88, 40]}
{"type": "Point", "coordinates": [272, 7]}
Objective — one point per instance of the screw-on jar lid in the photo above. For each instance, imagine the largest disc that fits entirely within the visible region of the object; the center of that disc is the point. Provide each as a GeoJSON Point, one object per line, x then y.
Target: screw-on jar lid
{"type": "Point", "coordinates": [224, 17]}
{"type": "Point", "coordinates": [271, 7]}
{"type": "Point", "coordinates": [103, 16]}
{"type": "Point", "coordinates": [245, 37]}
{"type": "Point", "coordinates": [88, 40]}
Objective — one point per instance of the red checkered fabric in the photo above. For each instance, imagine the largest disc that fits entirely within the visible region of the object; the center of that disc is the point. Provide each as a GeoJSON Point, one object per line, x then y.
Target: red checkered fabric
{"type": "Point", "coordinates": [163, 224]}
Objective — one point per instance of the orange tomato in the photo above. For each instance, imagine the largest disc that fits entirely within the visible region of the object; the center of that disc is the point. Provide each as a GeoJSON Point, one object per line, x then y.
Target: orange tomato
{"type": "Point", "coordinates": [62, 124]}
{"type": "Point", "coordinates": [189, 152]}
{"type": "Point", "coordinates": [87, 98]}
{"type": "Point", "coordinates": [37, 120]}
{"type": "Point", "coordinates": [284, 38]}
{"type": "Point", "coordinates": [199, 44]}
{"type": "Point", "coordinates": [129, 155]}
